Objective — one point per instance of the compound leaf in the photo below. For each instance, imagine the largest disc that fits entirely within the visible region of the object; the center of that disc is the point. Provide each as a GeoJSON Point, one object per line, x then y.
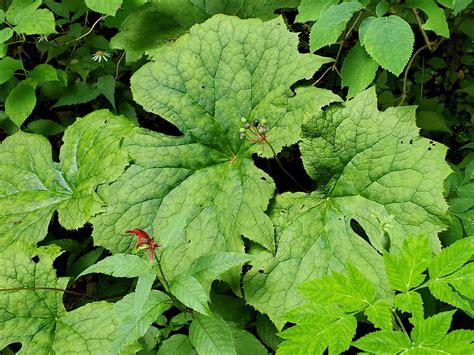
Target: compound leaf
{"type": "Point", "coordinates": [389, 41]}
{"type": "Point", "coordinates": [33, 186]}
{"type": "Point", "coordinates": [373, 169]}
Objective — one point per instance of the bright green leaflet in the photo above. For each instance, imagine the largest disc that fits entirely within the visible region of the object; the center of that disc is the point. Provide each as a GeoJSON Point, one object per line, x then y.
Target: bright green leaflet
{"type": "Point", "coordinates": [8, 66]}
{"type": "Point", "coordinates": [372, 167]}
{"type": "Point", "coordinates": [336, 301]}
{"type": "Point", "coordinates": [389, 41]}
{"type": "Point", "coordinates": [33, 186]}
{"type": "Point", "coordinates": [108, 7]}
{"type": "Point", "coordinates": [198, 193]}
{"type": "Point", "coordinates": [310, 10]}
{"type": "Point", "coordinates": [436, 18]}
{"type": "Point", "coordinates": [358, 70]}
{"type": "Point", "coordinates": [161, 21]}
{"type": "Point", "coordinates": [331, 23]}
{"type": "Point", "coordinates": [20, 15]}
{"type": "Point", "coordinates": [20, 103]}
{"type": "Point", "coordinates": [36, 317]}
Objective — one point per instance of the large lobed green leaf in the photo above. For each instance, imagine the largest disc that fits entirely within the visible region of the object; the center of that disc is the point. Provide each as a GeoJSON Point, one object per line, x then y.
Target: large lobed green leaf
{"type": "Point", "coordinates": [33, 186]}
{"type": "Point", "coordinates": [198, 193]}
{"type": "Point", "coordinates": [161, 21]}
{"type": "Point", "coordinates": [33, 314]}
{"type": "Point", "coordinates": [372, 168]}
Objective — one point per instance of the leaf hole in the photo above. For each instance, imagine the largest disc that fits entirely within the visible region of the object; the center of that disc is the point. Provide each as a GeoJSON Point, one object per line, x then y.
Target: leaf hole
{"type": "Point", "coordinates": [158, 124]}
{"type": "Point", "coordinates": [411, 141]}
{"type": "Point", "coordinates": [359, 230]}
{"type": "Point", "coordinates": [261, 271]}
{"type": "Point", "coordinates": [35, 259]}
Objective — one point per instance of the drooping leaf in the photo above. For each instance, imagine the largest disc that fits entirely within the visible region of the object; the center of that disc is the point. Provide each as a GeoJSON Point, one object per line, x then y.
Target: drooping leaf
{"type": "Point", "coordinates": [229, 74]}
{"type": "Point", "coordinates": [120, 265]}
{"type": "Point", "coordinates": [20, 103]}
{"type": "Point", "coordinates": [106, 86]}
{"type": "Point", "coordinates": [310, 10]}
{"type": "Point", "coordinates": [21, 14]}
{"type": "Point", "coordinates": [132, 324]}
{"type": "Point", "coordinates": [107, 7]}
{"type": "Point", "coordinates": [358, 70]}
{"type": "Point", "coordinates": [33, 186]}
{"type": "Point", "coordinates": [389, 41]}
{"type": "Point", "coordinates": [373, 169]}
{"type": "Point", "coordinates": [178, 344]}
{"type": "Point", "coordinates": [190, 292]}
{"type": "Point", "coordinates": [5, 34]}
{"type": "Point", "coordinates": [331, 23]}
{"type": "Point", "coordinates": [33, 313]}
{"type": "Point", "coordinates": [436, 18]}
{"type": "Point", "coordinates": [157, 23]}
{"type": "Point", "coordinates": [8, 67]}
{"type": "Point", "coordinates": [78, 93]}
{"type": "Point", "coordinates": [211, 335]}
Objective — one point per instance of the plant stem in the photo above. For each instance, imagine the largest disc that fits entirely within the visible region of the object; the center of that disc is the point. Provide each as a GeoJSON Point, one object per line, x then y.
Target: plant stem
{"type": "Point", "coordinates": [283, 168]}
{"type": "Point", "coordinates": [400, 323]}
{"type": "Point", "coordinates": [423, 33]}
{"type": "Point", "coordinates": [46, 289]}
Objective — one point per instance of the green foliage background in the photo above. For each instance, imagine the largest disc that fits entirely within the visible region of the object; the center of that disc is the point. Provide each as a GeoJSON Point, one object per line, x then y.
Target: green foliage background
{"type": "Point", "coordinates": [300, 174]}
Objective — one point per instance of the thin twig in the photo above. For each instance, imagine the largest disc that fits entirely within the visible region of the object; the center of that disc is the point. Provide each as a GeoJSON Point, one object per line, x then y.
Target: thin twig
{"type": "Point", "coordinates": [88, 32]}
{"type": "Point", "coordinates": [118, 65]}
{"type": "Point", "coordinates": [423, 32]}
{"type": "Point", "coordinates": [399, 321]}
{"type": "Point", "coordinates": [46, 289]}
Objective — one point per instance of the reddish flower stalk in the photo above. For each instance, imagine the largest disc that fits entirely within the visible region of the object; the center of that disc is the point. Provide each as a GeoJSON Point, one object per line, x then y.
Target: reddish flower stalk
{"type": "Point", "coordinates": [144, 242]}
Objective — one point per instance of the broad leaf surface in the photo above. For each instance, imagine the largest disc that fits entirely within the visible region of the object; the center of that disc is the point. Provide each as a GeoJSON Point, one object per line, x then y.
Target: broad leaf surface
{"type": "Point", "coordinates": [436, 18]}
{"type": "Point", "coordinates": [198, 193]}
{"type": "Point", "coordinates": [310, 10]}
{"type": "Point", "coordinates": [36, 317]}
{"type": "Point", "coordinates": [33, 186]}
{"type": "Point", "coordinates": [159, 22]}
{"type": "Point", "coordinates": [331, 23]}
{"type": "Point", "coordinates": [389, 41]}
{"type": "Point", "coordinates": [374, 169]}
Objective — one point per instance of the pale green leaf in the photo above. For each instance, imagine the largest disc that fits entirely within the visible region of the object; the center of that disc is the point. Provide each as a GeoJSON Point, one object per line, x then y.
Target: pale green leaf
{"type": "Point", "coordinates": [452, 258]}
{"type": "Point", "coordinates": [380, 314]}
{"type": "Point", "coordinates": [20, 103]}
{"type": "Point", "coordinates": [211, 335]}
{"type": "Point", "coordinates": [432, 329]}
{"type": "Point", "coordinates": [460, 5]}
{"type": "Point", "coordinates": [28, 19]}
{"type": "Point", "coordinates": [310, 10]}
{"type": "Point", "coordinates": [410, 302]}
{"type": "Point", "coordinates": [5, 34]}
{"type": "Point", "coordinates": [157, 23]}
{"type": "Point", "coordinates": [331, 23]}
{"type": "Point", "coordinates": [405, 268]}
{"type": "Point", "coordinates": [190, 292]}
{"type": "Point", "coordinates": [35, 316]}
{"type": "Point", "coordinates": [132, 324]}
{"type": "Point", "coordinates": [207, 176]}
{"type": "Point", "coordinates": [373, 168]}
{"type": "Point", "coordinates": [177, 344]}
{"type": "Point", "coordinates": [389, 41]}
{"type": "Point", "coordinates": [44, 72]}
{"type": "Point", "coordinates": [8, 66]}
{"type": "Point", "coordinates": [32, 186]}
{"type": "Point", "coordinates": [318, 327]}
{"type": "Point", "coordinates": [436, 18]}
{"type": "Point", "coordinates": [353, 292]}
{"type": "Point", "coordinates": [107, 7]}
{"type": "Point", "coordinates": [384, 342]}
{"type": "Point", "coordinates": [358, 70]}
{"type": "Point", "coordinates": [120, 265]}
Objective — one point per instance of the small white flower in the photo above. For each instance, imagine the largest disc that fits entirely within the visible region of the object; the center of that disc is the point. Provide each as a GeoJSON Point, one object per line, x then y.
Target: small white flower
{"type": "Point", "coordinates": [42, 38]}
{"type": "Point", "coordinates": [101, 55]}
